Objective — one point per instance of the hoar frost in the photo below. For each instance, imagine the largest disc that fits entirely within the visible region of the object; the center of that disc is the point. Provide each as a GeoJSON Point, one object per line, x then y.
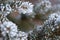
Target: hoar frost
{"type": "Point", "coordinates": [26, 8]}
{"type": "Point", "coordinates": [43, 7]}
{"type": "Point", "coordinates": [10, 28]}
{"type": "Point", "coordinates": [52, 23]}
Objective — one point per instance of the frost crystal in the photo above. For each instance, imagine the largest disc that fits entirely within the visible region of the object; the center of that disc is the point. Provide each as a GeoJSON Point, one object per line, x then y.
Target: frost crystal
{"type": "Point", "coordinates": [26, 7]}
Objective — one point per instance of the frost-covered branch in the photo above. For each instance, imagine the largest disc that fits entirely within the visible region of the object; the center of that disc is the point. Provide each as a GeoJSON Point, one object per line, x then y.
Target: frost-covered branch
{"type": "Point", "coordinates": [46, 30]}
{"type": "Point", "coordinates": [52, 24]}
{"type": "Point", "coordinates": [43, 7]}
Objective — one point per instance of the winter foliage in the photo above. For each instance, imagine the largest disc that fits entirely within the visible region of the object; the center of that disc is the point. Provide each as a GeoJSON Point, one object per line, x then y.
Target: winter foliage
{"type": "Point", "coordinates": [43, 7]}
{"type": "Point", "coordinates": [48, 30]}
{"type": "Point", "coordinates": [26, 7]}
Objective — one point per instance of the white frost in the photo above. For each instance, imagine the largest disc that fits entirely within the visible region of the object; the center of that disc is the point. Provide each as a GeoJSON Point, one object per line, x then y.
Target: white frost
{"type": "Point", "coordinates": [43, 7]}
{"type": "Point", "coordinates": [26, 7]}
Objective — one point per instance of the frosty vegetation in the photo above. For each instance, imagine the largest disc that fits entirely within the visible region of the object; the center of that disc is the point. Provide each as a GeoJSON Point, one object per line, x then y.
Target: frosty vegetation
{"type": "Point", "coordinates": [43, 7]}
{"type": "Point", "coordinates": [51, 25]}
{"type": "Point", "coordinates": [46, 31]}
